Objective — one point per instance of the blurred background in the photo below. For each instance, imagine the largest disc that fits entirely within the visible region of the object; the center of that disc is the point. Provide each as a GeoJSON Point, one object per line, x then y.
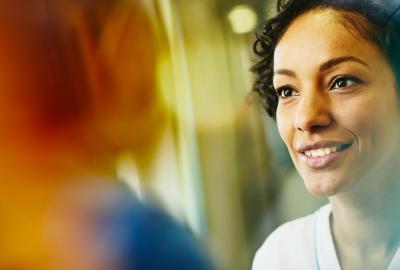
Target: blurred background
{"type": "Point", "coordinates": [230, 177]}
{"type": "Point", "coordinates": [166, 110]}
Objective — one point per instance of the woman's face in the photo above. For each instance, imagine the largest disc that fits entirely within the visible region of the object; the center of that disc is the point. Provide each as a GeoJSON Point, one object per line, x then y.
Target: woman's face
{"type": "Point", "coordinates": [337, 111]}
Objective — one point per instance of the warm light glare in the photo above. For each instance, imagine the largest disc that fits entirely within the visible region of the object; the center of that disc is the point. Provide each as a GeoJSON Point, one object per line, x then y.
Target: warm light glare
{"type": "Point", "coordinates": [243, 19]}
{"type": "Point", "coordinates": [128, 173]}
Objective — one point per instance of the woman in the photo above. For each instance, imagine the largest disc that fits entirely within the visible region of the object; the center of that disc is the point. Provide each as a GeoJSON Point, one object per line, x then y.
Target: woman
{"type": "Point", "coordinates": [69, 106]}
{"type": "Point", "coordinates": [329, 74]}
{"type": "Point", "coordinates": [78, 92]}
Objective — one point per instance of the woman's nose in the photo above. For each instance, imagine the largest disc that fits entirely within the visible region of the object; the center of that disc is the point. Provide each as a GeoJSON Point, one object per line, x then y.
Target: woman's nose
{"type": "Point", "coordinates": [313, 112]}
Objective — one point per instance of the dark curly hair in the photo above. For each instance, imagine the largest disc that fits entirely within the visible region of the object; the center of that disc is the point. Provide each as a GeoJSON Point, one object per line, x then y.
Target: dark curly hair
{"type": "Point", "coordinates": [373, 20]}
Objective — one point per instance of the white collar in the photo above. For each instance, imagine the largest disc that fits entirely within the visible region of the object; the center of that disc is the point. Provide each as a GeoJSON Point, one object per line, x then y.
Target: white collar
{"type": "Point", "coordinates": [325, 249]}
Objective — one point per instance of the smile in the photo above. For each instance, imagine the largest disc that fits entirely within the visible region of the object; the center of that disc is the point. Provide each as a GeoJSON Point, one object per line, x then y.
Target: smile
{"type": "Point", "coordinates": [321, 152]}
{"type": "Point", "coordinates": [321, 155]}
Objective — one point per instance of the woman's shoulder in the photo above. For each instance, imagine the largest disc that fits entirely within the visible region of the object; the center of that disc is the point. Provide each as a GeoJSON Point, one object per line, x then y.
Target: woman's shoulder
{"type": "Point", "coordinates": [290, 246]}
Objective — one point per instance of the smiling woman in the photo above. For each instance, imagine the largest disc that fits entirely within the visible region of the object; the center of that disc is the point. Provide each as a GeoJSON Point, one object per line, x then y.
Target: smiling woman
{"type": "Point", "coordinates": [329, 75]}
{"type": "Point", "coordinates": [325, 101]}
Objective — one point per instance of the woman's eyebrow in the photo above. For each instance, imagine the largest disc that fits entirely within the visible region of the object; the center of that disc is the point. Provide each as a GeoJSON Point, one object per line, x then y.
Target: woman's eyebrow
{"type": "Point", "coordinates": [336, 61]}
{"type": "Point", "coordinates": [286, 72]}
{"type": "Point", "coordinates": [325, 66]}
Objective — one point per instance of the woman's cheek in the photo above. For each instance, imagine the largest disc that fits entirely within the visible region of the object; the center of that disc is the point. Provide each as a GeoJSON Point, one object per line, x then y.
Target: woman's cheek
{"type": "Point", "coordinates": [364, 117]}
{"type": "Point", "coordinates": [284, 119]}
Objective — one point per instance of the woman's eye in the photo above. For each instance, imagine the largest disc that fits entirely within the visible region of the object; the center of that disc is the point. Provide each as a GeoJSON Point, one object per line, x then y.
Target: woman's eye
{"type": "Point", "coordinates": [285, 92]}
{"type": "Point", "coordinates": [343, 82]}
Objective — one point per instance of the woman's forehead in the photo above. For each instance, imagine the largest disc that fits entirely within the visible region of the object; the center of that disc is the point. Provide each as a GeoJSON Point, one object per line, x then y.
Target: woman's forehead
{"type": "Point", "coordinates": [318, 36]}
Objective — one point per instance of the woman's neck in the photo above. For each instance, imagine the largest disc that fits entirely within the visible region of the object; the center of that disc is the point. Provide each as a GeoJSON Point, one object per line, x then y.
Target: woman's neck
{"type": "Point", "coordinates": [365, 219]}
{"type": "Point", "coordinates": [370, 221]}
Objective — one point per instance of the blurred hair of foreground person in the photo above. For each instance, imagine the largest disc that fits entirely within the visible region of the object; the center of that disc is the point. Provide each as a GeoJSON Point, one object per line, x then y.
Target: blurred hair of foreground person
{"type": "Point", "coordinates": [329, 73]}
{"type": "Point", "coordinates": [78, 88]}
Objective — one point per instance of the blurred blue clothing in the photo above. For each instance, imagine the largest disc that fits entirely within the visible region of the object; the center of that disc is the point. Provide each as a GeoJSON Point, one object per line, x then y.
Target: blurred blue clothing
{"type": "Point", "coordinates": [149, 239]}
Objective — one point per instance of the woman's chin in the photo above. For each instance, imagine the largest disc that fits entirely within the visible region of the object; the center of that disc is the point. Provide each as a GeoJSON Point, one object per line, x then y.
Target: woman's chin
{"type": "Point", "coordinates": [324, 186]}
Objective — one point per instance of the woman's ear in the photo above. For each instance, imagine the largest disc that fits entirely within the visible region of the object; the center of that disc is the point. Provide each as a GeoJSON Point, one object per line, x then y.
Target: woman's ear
{"type": "Point", "coordinates": [95, 65]}
{"type": "Point", "coordinates": [118, 47]}
{"type": "Point", "coordinates": [119, 53]}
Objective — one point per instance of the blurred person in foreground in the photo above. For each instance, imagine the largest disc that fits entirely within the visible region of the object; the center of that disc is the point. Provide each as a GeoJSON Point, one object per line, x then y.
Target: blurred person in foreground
{"type": "Point", "coordinates": [329, 73]}
{"type": "Point", "coordinates": [78, 88]}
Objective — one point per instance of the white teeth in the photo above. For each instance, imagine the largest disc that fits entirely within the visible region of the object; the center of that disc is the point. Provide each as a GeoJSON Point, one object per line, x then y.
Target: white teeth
{"type": "Point", "coordinates": [328, 151]}
{"type": "Point", "coordinates": [321, 152]}
{"type": "Point", "coordinates": [314, 153]}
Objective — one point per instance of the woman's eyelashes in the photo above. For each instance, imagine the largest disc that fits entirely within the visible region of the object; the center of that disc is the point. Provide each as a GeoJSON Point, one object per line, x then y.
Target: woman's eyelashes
{"type": "Point", "coordinates": [285, 91]}
{"type": "Point", "coordinates": [343, 81]}
{"type": "Point", "coordinates": [337, 83]}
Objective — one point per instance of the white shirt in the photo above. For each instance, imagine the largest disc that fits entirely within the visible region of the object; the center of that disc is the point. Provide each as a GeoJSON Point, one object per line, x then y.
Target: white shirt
{"type": "Point", "coordinates": [305, 243]}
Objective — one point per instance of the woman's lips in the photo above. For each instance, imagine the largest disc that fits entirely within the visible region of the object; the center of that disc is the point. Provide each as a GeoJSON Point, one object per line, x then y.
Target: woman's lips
{"type": "Point", "coordinates": [321, 155]}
